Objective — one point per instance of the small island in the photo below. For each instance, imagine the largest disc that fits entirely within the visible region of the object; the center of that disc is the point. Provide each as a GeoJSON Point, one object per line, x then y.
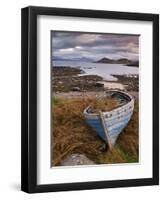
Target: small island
{"type": "Point", "coordinates": [123, 61]}
{"type": "Point", "coordinates": [133, 64]}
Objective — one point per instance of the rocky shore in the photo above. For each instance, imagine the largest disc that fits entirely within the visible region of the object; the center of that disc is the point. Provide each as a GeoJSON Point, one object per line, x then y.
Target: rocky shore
{"type": "Point", "coordinates": [68, 79]}
{"type": "Point", "coordinates": [131, 82]}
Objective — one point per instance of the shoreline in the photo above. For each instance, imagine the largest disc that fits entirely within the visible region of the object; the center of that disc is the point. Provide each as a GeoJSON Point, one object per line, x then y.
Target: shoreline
{"type": "Point", "coordinates": [67, 79]}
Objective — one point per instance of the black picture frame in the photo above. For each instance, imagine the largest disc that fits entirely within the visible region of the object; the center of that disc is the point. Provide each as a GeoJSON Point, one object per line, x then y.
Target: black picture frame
{"type": "Point", "coordinates": [29, 99]}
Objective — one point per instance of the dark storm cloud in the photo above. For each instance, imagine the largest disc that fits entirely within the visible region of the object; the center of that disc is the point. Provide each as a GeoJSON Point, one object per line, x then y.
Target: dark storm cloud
{"type": "Point", "coordinates": [76, 45]}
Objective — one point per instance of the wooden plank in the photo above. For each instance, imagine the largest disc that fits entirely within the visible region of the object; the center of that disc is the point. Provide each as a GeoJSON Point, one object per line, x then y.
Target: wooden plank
{"type": "Point", "coordinates": [106, 130]}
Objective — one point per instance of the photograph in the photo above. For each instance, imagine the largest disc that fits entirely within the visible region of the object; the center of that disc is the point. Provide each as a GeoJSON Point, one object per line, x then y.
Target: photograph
{"type": "Point", "coordinates": [95, 98]}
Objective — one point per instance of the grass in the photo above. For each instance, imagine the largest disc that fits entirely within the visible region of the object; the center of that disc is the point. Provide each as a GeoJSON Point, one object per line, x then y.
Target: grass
{"type": "Point", "coordinates": [71, 134]}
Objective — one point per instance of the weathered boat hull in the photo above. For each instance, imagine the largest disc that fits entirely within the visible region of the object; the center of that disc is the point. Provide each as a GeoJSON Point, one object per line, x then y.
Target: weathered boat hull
{"type": "Point", "coordinates": [110, 124]}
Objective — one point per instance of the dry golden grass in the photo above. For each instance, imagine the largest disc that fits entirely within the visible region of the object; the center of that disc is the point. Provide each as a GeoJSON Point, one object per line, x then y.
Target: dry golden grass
{"type": "Point", "coordinates": [103, 104]}
{"type": "Point", "coordinates": [71, 134]}
{"type": "Point", "coordinates": [128, 140]}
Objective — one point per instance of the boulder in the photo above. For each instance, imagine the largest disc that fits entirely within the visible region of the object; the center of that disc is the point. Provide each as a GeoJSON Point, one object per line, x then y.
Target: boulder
{"type": "Point", "coordinates": [76, 159]}
{"type": "Point", "coordinates": [76, 89]}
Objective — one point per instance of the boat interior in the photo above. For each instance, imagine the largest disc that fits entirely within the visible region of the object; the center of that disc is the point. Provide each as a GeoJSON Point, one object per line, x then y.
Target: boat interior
{"type": "Point", "coordinates": [121, 97]}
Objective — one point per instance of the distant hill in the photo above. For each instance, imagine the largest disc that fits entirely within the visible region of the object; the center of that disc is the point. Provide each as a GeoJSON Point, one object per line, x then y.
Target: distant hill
{"type": "Point", "coordinates": [105, 60]}
{"type": "Point", "coordinates": [81, 59]}
{"type": "Point", "coordinates": [113, 61]}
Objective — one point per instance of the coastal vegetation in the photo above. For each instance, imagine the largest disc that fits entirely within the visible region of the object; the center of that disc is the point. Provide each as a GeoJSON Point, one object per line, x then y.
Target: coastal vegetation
{"type": "Point", "coordinates": [71, 134]}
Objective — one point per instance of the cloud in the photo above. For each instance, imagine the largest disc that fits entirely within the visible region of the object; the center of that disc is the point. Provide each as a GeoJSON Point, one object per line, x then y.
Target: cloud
{"type": "Point", "coordinates": [73, 44]}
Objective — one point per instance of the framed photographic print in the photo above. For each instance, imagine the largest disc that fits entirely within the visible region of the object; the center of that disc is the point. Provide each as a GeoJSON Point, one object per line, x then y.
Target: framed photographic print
{"type": "Point", "coordinates": [90, 99]}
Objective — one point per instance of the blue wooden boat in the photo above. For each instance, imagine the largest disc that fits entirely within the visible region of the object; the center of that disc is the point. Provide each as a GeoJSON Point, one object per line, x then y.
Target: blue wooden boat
{"type": "Point", "coordinates": [109, 125]}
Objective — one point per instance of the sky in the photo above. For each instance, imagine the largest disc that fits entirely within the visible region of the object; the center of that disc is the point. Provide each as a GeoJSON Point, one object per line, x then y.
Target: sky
{"type": "Point", "coordinates": [75, 45]}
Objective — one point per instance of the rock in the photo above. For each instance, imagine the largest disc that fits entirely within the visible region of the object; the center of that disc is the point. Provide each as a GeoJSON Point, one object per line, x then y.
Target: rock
{"type": "Point", "coordinates": [76, 159]}
{"type": "Point", "coordinates": [99, 85]}
{"type": "Point", "coordinates": [60, 82]}
{"type": "Point", "coordinates": [76, 89]}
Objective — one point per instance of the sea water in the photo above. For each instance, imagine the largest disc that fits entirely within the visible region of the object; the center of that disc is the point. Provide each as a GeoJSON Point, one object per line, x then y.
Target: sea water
{"type": "Point", "coordinates": [104, 70]}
